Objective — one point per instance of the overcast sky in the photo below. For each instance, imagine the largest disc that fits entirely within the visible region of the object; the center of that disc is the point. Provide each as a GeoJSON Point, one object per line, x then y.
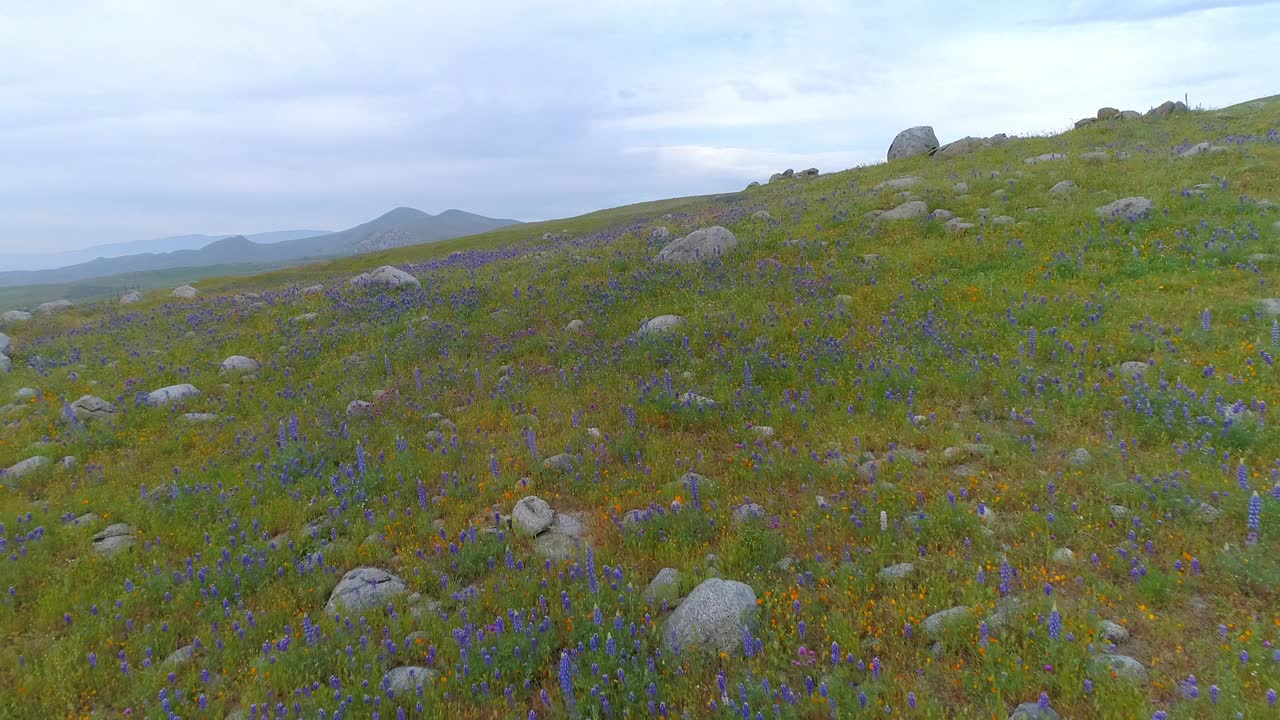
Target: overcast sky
{"type": "Point", "coordinates": [129, 119]}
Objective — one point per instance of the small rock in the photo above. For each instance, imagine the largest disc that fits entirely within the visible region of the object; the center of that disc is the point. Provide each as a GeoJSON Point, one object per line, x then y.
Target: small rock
{"type": "Point", "coordinates": [181, 656]}
{"type": "Point", "coordinates": [934, 625]}
{"type": "Point", "coordinates": [748, 511]}
{"type": "Point", "coordinates": [1207, 513]}
{"type": "Point", "coordinates": [1047, 157]}
{"type": "Point", "coordinates": [563, 462]}
{"type": "Point", "coordinates": [1121, 666]}
{"type": "Point", "coordinates": [56, 306]}
{"type": "Point", "coordinates": [131, 297]}
{"type": "Point", "coordinates": [906, 211]}
{"type": "Point", "coordinates": [897, 572]}
{"type": "Point", "coordinates": [26, 467]}
{"type": "Point", "coordinates": [386, 276]}
{"type": "Point", "coordinates": [89, 407]}
{"type": "Point", "coordinates": [1063, 187]}
{"type": "Point", "coordinates": [1064, 556]}
{"type": "Point", "coordinates": [1130, 207]}
{"type": "Point", "coordinates": [240, 363]}
{"type": "Point", "coordinates": [363, 589]}
{"type": "Point", "coordinates": [573, 326]}
{"type": "Point", "coordinates": [901, 183]}
{"type": "Point", "coordinates": [406, 679]}
{"type": "Point", "coordinates": [199, 417]}
{"type": "Point", "coordinates": [660, 324]}
{"type": "Point", "coordinates": [1113, 632]}
{"type": "Point", "coordinates": [1133, 368]}
{"type": "Point", "coordinates": [532, 515]}
{"type": "Point", "coordinates": [172, 393]}
{"type": "Point", "coordinates": [1033, 711]}
{"type": "Point", "coordinates": [1079, 459]}
{"type": "Point", "coordinates": [359, 407]}
{"type": "Point", "coordinates": [1119, 511]}
{"type": "Point", "coordinates": [13, 317]}
{"type": "Point", "coordinates": [694, 400]}
{"type": "Point", "coordinates": [185, 292]}
{"type": "Point", "coordinates": [113, 539]}
{"type": "Point", "coordinates": [664, 586]}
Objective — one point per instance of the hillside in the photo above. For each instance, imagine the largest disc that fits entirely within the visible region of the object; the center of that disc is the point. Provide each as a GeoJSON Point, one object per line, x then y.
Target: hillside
{"type": "Point", "coordinates": [398, 228]}
{"type": "Point", "coordinates": [47, 261]}
{"type": "Point", "coordinates": [983, 435]}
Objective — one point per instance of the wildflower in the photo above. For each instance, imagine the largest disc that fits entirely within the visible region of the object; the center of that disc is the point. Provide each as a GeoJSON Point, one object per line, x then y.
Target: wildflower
{"type": "Point", "coordinates": [1055, 623]}
{"type": "Point", "coordinates": [1255, 517]}
{"type": "Point", "coordinates": [884, 521]}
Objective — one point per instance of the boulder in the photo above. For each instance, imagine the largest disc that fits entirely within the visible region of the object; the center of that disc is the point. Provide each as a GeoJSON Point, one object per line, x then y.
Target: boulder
{"type": "Point", "coordinates": [199, 417]}
{"type": "Point", "coordinates": [172, 394]}
{"type": "Point", "coordinates": [1122, 667]}
{"type": "Point", "coordinates": [181, 656]}
{"type": "Point", "coordinates": [1168, 107]}
{"type": "Point", "coordinates": [896, 572]}
{"type": "Point", "coordinates": [573, 326]}
{"type": "Point", "coordinates": [532, 515]}
{"type": "Point", "coordinates": [746, 512]}
{"type": "Point", "coordinates": [1047, 157]}
{"type": "Point", "coordinates": [305, 318]}
{"type": "Point", "coordinates": [1064, 556]}
{"type": "Point", "coordinates": [112, 539]}
{"type": "Point", "coordinates": [664, 586]}
{"type": "Point", "coordinates": [695, 400]}
{"type": "Point", "coordinates": [406, 679]}
{"type": "Point", "coordinates": [919, 140]}
{"type": "Point", "coordinates": [1079, 459]}
{"type": "Point", "coordinates": [313, 290]}
{"type": "Point", "coordinates": [1130, 207]}
{"type": "Point", "coordinates": [359, 407]}
{"type": "Point", "coordinates": [26, 467]}
{"type": "Point", "coordinates": [936, 623]}
{"type": "Point", "coordinates": [1113, 632]}
{"type": "Point", "coordinates": [1085, 122]}
{"type": "Point", "coordinates": [561, 462]}
{"type": "Point", "coordinates": [13, 317]}
{"type": "Point", "coordinates": [563, 540]}
{"type": "Point", "coordinates": [363, 589]}
{"type": "Point", "coordinates": [1063, 187]}
{"type": "Point", "coordinates": [1108, 113]}
{"type": "Point", "coordinates": [714, 617]}
{"type": "Point", "coordinates": [131, 297]}
{"type": "Point", "coordinates": [90, 407]}
{"type": "Point", "coordinates": [240, 363]}
{"type": "Point", "coordinates": [386, 276]}
{"type": "Point", "coordinates": [1270, 306]}
{"type": "Point", "coordinates": [810, 172]}
{"type": "Point", "coordinates": [56, 306]}
{"type": "Point", "coordinates": [185, 292]}
{"type": "Point", "coordinates": [660, 325]}
{"type": "Point", "coordinates": [1130, 114]}
{"type": "Point", "coordinates": [901, 183]}
{"type": "Point", "coordinates": [967, 451]}
{"type": "Point", "coordinates": [660, 233]}
{"type": "Point", "coordinates": [1034, 711]}
{"type": "Point", "coordinates": [698, 245]}
{"type": "Point", "coordinates": [906, 211]}
{"type": "Point", "coordinates": [6, 344]}
{"type": "Point", "coordinates": [1133, 368]}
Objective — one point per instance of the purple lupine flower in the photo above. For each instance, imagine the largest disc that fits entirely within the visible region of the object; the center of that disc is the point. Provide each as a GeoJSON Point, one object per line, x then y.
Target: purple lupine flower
{"type": "Point", "coordinates": [1255, 517]}
{"type": "Point", "coordinates": [566, 678]}
{"type": "Point", "coordinates": [1055, 623]}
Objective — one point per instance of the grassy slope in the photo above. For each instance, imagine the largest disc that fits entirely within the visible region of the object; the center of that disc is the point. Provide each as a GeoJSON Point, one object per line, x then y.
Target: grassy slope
{"type": "Point", "coordinates": [940, 329]}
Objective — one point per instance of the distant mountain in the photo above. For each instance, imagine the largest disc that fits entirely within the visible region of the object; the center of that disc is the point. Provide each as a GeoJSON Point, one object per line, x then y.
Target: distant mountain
{"type": "Point", "coordinates": [400, 227]}
{"type": "Point", "coordinates": [44, 261]}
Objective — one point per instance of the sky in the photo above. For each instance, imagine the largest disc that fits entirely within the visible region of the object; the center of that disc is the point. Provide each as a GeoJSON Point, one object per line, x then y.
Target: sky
{"type": "Point", "coordinates": [130, 119]}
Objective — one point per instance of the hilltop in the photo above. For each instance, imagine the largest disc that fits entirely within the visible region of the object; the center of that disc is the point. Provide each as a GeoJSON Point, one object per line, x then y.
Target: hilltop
{"type": "Point", "coordinates": [397, 228]}
{"type": "Point", "coordinates": [982, 434]}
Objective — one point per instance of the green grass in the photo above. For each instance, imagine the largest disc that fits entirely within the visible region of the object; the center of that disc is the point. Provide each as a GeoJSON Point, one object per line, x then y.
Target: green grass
{"type": "Point", "coordinates": [932, 349]}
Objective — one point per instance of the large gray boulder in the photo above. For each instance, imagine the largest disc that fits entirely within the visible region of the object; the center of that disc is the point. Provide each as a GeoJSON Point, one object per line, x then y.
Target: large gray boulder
{"type": "Point", "coordinates": [172, 393]}
{"type": "Point", "coordinates": [562, 462]}
{"type": "Point", "coordinates": [240, 363]}
{"type": "Point", "coordinates": [1130, 207]}
{"type": "Point", "coordinates": [184, 292]}
{"type": "Point", "coordinates": [91, 407]}
{"type": "Point", "coordinates": [562, 541]}
{"type": "Point", "coordinates": [918, 140]}
{"type": "Point", "coordinates": [532, 515]}
{"type": "Point", "coordinates": [713, 617]}
{"type": "Point", "coordinates": [1033, 711]}
{"type": "Point", "coordinates": [362, 589]}
{"type": "Point", "coordinates": [6, 344]}
{"type": "Point", "coordinates": [131, 297]}
{"type": "Point", "coordinates": [13, 317]}
{"type": "Point", "coordinates": [56, 306]}
{"type": "Point", "coordinates": [385, 276]}
{"type": "Point", "coordinates": [698, 245]}
{"type": "Point", "coordinates": [1108, 113]}
{"type": "Point", "coordinates": [1063, 187]}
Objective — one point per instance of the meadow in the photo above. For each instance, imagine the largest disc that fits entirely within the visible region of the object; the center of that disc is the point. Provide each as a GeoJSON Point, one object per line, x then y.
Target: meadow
{"type": "Point", "coordinates": [1028, 466]}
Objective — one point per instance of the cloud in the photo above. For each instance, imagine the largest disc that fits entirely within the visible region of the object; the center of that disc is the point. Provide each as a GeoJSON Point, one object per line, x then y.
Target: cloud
{"type": "Point", "coordinates": [129, 118]}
